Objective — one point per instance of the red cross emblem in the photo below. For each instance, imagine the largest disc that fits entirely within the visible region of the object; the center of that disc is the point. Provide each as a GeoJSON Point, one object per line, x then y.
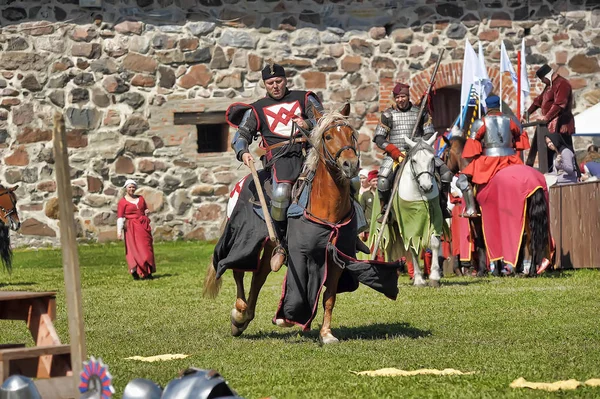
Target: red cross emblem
{"type": "Point", "coordinates": [279, 117]}
{"type": "Point", "coordinates": [234, 196]}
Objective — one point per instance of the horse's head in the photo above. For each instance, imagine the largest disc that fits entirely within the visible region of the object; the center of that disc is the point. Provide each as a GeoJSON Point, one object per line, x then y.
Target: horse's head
{"type": "Point", "coordinates": [452, 155]}
{"type": "Point", "coordinates": [8, 208]}
{"type": "Point", "coordinates": [421, 161]}
{"type": "Point", "coordinates": [335, 143]}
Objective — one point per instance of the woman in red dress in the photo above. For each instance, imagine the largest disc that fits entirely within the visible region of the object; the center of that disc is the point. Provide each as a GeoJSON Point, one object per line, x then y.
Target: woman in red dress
{"type": "Point", "coordinates": [134, 226]}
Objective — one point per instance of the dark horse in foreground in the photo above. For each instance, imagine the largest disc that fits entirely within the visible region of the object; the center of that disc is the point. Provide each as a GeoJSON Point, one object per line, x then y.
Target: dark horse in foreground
{"type": "Point", "coordinates": [507, 226]}
{"type": "Point", "coordinates": [9, 220]}
{"type": "Point", "coordinates": [321, 238]}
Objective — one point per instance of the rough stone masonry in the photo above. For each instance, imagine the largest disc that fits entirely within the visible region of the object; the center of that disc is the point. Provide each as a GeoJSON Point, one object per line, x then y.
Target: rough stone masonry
{"type": "Point", "coordinates": [120, 73]}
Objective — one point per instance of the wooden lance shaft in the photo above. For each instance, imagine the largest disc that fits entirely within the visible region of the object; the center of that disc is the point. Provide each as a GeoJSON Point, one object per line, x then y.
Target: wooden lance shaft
{"type": "Point", "coordinates": [399, 172]}
{"type": "Point", "coordinates": [69, 250]}
{"type": "Point", "coordinates": [263, 204]}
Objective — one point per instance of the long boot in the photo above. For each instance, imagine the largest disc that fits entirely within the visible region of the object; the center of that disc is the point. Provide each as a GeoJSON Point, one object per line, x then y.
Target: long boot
{"type": "Point", "coordinates": [384, 198]}
{"type": "Point", "coordinates": [279, 256]}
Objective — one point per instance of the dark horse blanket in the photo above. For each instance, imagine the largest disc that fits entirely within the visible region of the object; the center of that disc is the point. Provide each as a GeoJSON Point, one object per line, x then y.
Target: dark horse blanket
{"type": "Point", "coordinates": [312, 247]}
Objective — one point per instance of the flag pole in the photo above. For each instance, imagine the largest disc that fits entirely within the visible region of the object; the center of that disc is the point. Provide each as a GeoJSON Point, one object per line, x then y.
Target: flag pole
{"type": "Point", "coordinates": [501, 97]}
{"type": "Point", "coordinates": [519, 84]}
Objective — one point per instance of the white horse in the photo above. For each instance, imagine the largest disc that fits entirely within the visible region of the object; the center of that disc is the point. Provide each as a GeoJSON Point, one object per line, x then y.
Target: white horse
{"type": "Point", "coordinates": [417, 207]}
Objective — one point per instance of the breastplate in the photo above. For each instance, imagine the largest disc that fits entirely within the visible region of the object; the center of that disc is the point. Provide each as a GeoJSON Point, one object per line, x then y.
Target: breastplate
{"type": "Point", "coordinates": [498, 139]}
{"type": "Point", "coordinates": [403, 123]}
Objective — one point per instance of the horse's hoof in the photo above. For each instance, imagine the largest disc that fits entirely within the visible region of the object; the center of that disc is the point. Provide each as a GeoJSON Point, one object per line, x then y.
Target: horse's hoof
{"type": "Point", "coordinates": [420, 283]}
{"type": "Point", "coordinates": [434, 283]}
{"type": "Point", "coordinates": [327, 339]}
{"type": "Point", "coordinates": [482, 274]}
{"type": "Point", "coordinates": [283, 324]}
{"type": "Point", "coordinates": [237, 317]}
{"type": "Point", "coordinates": [237, 328]}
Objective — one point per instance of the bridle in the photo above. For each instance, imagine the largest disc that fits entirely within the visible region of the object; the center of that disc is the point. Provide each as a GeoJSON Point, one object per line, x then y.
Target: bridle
{"type": "Point", "coordinates": [429, 171]}
{"type": "Point", "coordinates": [7, 213]}
{"type": "Point", "coordinates": [324, 154]}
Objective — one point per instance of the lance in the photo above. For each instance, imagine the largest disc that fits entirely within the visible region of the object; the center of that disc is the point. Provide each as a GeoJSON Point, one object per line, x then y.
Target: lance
{"type": "Point", "coordinates": [399, 172]}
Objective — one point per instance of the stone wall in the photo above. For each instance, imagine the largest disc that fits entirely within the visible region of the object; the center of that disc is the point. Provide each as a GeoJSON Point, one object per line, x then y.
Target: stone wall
{"type": "Point", "coordinates": [120, 73]}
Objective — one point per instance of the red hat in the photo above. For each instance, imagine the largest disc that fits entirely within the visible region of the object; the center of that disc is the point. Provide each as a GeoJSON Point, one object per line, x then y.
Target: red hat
{"type": "Point", "coordinates": [401, 88]}
{"type": "Point", "coordinates": [372, 175]}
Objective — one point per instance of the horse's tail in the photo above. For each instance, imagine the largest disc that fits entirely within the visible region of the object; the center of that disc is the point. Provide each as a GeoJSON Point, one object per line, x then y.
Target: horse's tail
{"type": "Point", "coordinates": [5, 250]}
{"type": "Point", "coordinates": [212, 284]}
{"type": "Point", "coordinates": [538, 226]}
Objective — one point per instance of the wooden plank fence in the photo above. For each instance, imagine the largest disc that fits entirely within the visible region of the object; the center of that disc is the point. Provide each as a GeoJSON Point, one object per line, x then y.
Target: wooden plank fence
{"type": "Point", "coordinates": [575, 224]}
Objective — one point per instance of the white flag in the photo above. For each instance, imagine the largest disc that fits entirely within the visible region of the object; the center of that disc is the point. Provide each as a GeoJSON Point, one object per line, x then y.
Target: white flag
{"type": "Point", "coordinates": [524, 78]}
{"type": "Point", "coordinates": [482, 78]}
{"type": "Point", "coordinates": [506, 65]}
{"type": "Point", "coordinates": [468, 73]}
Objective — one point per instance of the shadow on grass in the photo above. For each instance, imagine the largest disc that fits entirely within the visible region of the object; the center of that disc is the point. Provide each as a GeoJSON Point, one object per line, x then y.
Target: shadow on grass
{"type": "Point", "coordinates": [368, 332]}
{"type": "Point", "coordinates": [471, 281]}
{"type": "Point", "coordinates": [16, 284]}
{"type": "Point", "coordinates": [157, 276]}
{"type": "Point", "coordinates": [379, 331]}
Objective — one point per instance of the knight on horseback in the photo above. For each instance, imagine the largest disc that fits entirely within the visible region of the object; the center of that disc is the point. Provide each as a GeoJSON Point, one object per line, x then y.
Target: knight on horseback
{"type": "Point", "coordinates": [273, 118]}
{"type": "Point", "coordinates": [395, 126]}
{"type": "Point", "coordinates": [492, 146]}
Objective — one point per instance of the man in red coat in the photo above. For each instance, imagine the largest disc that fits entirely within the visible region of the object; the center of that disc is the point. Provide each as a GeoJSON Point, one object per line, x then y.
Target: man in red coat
{"type": "Point", "coordinates": [556, 103]}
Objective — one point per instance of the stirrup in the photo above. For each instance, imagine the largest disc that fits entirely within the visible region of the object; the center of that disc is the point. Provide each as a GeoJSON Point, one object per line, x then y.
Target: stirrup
{"type": "Point", "coordinates": [278, 258]}
{"type": "Point", "coordinates": [470, 216]}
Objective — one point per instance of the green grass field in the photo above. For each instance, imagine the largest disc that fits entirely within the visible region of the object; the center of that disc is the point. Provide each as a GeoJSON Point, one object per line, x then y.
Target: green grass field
{"type": "Point", "coordinates": [543, 329]}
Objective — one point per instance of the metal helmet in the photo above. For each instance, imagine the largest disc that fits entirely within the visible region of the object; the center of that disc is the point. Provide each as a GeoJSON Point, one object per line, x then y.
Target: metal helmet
{"type": "Point", "coordinates": [198, 384]}
{"type": "Point", "coordinates": [141, 388]}
{"type": "Point", "coordinates": [19, 387]}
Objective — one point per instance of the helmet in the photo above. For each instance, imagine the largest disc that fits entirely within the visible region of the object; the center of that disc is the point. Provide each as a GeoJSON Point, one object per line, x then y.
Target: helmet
{"type": "Point", "coordinates": [141, 388]}
{"type": "Point", "coordinates": [19, 387]}
{"type": "Point", "coordinates": [198, 384]}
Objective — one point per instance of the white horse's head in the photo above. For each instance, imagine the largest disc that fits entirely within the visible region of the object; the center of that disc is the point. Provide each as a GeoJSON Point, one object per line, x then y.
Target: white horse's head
{"type": "Point", "coordinates": [422, 162]}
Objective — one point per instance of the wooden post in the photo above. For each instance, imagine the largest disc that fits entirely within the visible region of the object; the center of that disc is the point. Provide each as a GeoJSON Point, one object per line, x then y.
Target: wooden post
{"type": "Point", "coordinates": [69, 250]}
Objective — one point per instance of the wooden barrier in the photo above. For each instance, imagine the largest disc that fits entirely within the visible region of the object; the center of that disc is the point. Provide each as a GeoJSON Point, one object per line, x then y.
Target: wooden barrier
{"type": "Point", "coordinates": [575, 224]}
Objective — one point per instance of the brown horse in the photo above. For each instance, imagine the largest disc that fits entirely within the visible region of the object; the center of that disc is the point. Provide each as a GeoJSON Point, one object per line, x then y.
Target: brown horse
{"type": "Point", "coordinates": [9, 219]}
{"type": "Point", "coordinates": [453, 158]}
{"type": "Point", "coordinates": [335, 161]}
{"type": "Point", "coordinates": [536, 236]}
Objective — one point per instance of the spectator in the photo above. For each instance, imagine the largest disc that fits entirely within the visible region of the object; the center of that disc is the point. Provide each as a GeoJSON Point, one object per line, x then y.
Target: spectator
{"type": "Point", "coordinates": [366, 200]}
{"type": "Point", "coordinates": [364, 182]}
{"type": "Point", "coordinates": [133, 225]}
{"type": "Point", "coordinates": [564, 166]}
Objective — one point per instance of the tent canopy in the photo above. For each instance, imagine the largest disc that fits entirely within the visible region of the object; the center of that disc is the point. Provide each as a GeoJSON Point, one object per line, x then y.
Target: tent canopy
{"type": "Point", "coordinates": [587, 122]}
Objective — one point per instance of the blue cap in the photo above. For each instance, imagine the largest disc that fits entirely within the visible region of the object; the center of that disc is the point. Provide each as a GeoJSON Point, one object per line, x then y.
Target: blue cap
{"type": "Point", "coordinates": [492, 102]}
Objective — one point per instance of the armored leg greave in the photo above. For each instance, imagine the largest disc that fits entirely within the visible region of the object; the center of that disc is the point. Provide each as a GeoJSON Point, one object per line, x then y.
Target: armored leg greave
{"type": "Point", "coordinates": [467, 190]}
{"type": "Point", "coordinates": [280, 201]}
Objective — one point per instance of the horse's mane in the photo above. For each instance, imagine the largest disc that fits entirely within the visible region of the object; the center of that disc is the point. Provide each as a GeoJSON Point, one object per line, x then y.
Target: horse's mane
{"type": "Point", "coordinates": [316, 138]}
{"type": "Point", "coordinates": [460, 139]}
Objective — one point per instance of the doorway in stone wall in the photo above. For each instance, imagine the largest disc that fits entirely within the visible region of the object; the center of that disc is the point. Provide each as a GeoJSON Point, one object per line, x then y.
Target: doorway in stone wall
{"type": "Point", "coordinates": [446, 107]}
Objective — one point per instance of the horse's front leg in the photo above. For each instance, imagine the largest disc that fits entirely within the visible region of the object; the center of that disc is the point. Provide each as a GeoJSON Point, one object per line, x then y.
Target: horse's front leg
{"type": "Point", "coordinates": [419, 281]}
{"type": "Point", "coordinates": [333, 277]}
{"type": "Point", "coordinates": [435, 275]}
{"type": "Point", "coordinates": [238, 313]}
{"type": "Point", "coordinates": [258, 280]}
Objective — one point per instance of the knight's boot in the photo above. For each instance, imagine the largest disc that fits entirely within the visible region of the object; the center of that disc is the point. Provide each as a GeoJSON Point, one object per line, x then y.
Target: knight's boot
{"type": "Point", "coordinates": [543, 266]}
{"type": "Point", "coordinates": [279, 255]}
{"type": "Point", "coordinates": [384, 197]}
{"type": "Point", "coordinates": [467, 191]}
{"type": "Point", "coordinates": [446, 214]}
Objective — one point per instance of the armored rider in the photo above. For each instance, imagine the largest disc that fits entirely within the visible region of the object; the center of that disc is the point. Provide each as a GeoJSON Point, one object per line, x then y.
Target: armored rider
{"type": "Point", "coordinates": [272, 117]}
{"type": "Point", "coordinates": [396, 124]}
{"type": "Point", "coordinates": [492, 145]}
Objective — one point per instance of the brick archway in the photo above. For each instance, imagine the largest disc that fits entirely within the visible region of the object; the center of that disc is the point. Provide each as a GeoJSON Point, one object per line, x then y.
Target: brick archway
{"type": "Point", "coordinates": [450, 74]}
